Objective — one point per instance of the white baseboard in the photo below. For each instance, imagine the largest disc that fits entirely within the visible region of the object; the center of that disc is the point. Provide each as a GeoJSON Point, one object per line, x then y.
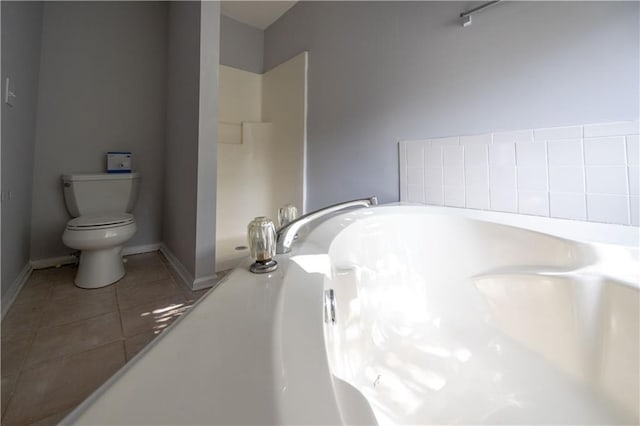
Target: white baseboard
{"type": "Point", "coordinates": [205, 282]}
{"type": "Point", "coordinates": [15, 288]}
{"type": "Point", "coordinates": [182, 272]}
{"type": "Point", "coordinates": [65, 260]}
{"type": "Point", "coordinates": [185, 276]}
{"type": "Point", "coordinates": [53, 261]}
{"type": "Point", "coordinates": [146, 248]}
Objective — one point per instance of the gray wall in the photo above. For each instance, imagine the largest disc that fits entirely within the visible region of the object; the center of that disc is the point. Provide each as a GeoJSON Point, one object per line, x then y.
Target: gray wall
{"type": "Point", "coordinates": [102, 88]}
{"type": "Point", "coordinates": [207, 146]}
{"type": "Point", "coordinates": [21, 38]}
{"type": "Point", "coordinates": [182, 121]}
{"type": "Point", "coordinates": [190, 148]}
{"type": "Point", "coordinates": [384, 71]}
{"type": "Point", "coordinates": [241, 45]}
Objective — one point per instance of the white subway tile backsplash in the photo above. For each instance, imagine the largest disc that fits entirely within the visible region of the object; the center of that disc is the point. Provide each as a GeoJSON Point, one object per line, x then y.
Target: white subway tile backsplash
{"type": "Point", "coordinates": [634, 181]}
{"type": "Point", "coordinates": [476, 155]}
{"type": "Point", "coordinates": [566, 179]}
{"type": "Point", "coordinates": [607, 208]}
{"type": "Point", "coordinates": [588, 172]}
{"type": "Point", "coordinates": [634, 209]}
{"type": "Point", "coordinates": [433, 156]}
{"type": "Point", "coordinates": [444, 141]}
{"type": "Point", "coordinates": [612, 129]}
{"type": "Point", "coordinates": [502, 155]}
{"type": "Point", "coordinates": [502, 189]}
{"type": "Point", "coordinates": [513, 137]}
{"type": "Point", "coordinates": [415, 176]}
{"type": "Point", "coordinates": [402, 157]}
{"type": "Point", "coordinates": [433, 176]}
{"type": "Point", "coordinates": [607, 180]}
{"type": "Point", "coordinates": [502, 177]}
{"type": "Point", "coordinates": [415, 151]}
{"type": "Point", "coordinates": [531, 154]}
{"type": "Point", "coordinates": [453, 156]}
{"type": "Point", "coordinates": [504, 199]}
{"type": "Point", "coordinates": [476, 176]}
{"type": "Point", "coordinates": [605, 151]}
{"type": "Point", "coordinates": [633, 150]}
{"type": "Point", "coordinates": [477, 197]}
{"type": "Point", "coordinates": [532, 179]}
{"type": "Point", "coordinates": [476, 139]}
{"type": "Point", "coordinates": [568, 206]}
{"type": "Point", "coordinates": [434, 195]}
{"type": "Point", "coordinates": [566, 152]}
{"type": "Point", "coordinates": [454, 176]}
{"type": "Point", "coordinates": [454, 196]}
{"type": "Point", "coordinates": [415, 194]}
{"type": "Point", "coordinates": [533, 202]}
{"type": "Point", "coordinates": [569, 132]}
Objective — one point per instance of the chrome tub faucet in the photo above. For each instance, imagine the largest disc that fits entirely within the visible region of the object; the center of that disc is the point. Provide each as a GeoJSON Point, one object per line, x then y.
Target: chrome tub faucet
{"type": "Point", "coordinates": [286, 234]}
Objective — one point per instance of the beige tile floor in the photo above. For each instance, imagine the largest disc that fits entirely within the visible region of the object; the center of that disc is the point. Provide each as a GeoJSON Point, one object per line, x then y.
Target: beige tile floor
{"type": "Point", "coordinates": [60, 342]}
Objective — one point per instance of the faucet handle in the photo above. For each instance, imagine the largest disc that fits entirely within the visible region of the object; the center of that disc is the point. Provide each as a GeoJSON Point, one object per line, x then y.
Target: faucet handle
{"type": "Point", "coordinates": [261, 236]}
{"type": "Point", "coordinates": [286, 214]}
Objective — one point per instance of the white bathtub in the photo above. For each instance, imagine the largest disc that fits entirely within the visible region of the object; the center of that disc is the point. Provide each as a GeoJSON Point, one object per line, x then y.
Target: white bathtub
{"type": "Point", "coordinates": [439, 319]}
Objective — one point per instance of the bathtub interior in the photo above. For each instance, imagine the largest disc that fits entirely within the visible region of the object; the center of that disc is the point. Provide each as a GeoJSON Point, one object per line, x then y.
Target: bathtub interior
{"type": "Point", "coordinates": [451, 320]}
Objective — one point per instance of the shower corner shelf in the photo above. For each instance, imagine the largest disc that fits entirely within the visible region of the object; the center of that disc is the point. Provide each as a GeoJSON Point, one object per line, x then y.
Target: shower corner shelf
{"type": "Point", "coordinates": [238, 133]}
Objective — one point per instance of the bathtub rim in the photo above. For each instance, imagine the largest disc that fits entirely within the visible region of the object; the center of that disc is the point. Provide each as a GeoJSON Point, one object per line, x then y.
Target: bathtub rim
{"type": "Point", "coordinates": [569, 229]}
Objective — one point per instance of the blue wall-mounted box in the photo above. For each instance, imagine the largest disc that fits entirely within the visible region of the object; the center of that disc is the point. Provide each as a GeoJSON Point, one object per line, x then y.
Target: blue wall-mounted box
{"type": "Point", "coordinates": [119, 162]}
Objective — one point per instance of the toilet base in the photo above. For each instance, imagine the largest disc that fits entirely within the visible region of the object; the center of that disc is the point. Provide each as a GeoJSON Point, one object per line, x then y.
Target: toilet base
{"type": "Point", "coordinates": [99, 268]}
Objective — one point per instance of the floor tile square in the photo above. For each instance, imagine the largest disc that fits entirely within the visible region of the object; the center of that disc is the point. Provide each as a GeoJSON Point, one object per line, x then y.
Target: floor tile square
{"type": "Point", "coordinates": [33, 295]}
{"type": "Point", "coordinates": [137, 293]}
{"type": "Point", "coordinates": [8, 385]}
{"type": "Point", "coordinates": [81, 306]}
{"type": "Point", "coordinates": [79, 336]}
{"type": "Point", "coordinates": [135, 344]}
{"type": "Point", "coordinates": [59, 384]}
{"type": "Point", "coordinates": [153, 316]}
{"type": "Point", "coordinates": [13, 353]}
{"type": "Point", "coordinates": [20, 321]}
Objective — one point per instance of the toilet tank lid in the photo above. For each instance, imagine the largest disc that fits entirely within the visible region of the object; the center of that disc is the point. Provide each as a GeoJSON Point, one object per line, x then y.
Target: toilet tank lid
{"type": "Point", "coordinates": [99, 176]}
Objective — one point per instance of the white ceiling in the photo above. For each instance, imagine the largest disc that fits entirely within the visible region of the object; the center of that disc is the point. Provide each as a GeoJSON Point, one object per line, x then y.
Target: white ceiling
{"type": "Point", "coordinates": [259, 14]}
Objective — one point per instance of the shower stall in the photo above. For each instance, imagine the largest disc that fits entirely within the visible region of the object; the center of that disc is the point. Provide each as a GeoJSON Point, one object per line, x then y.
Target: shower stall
{"type": "Point", "coordinates": [261, 150]}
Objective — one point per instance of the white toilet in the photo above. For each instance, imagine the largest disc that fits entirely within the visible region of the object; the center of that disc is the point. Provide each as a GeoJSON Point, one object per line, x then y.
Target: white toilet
{"type": "Point", "coordinates": [100, 204]}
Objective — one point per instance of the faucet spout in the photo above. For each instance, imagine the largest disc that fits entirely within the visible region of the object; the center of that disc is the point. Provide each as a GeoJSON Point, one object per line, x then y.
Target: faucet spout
{"type": "Point", "coordinates": [287, 233]}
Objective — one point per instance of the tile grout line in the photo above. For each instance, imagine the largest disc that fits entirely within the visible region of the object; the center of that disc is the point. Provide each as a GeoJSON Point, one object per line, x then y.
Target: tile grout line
{"type": "Point", "coordinates": [119, 311]}
{"type": "Point", "coordinates": [628, 182]}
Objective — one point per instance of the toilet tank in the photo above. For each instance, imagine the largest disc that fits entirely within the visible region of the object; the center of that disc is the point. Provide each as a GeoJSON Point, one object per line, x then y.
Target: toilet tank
{"type": "Point", "coordinates": [100, 192]}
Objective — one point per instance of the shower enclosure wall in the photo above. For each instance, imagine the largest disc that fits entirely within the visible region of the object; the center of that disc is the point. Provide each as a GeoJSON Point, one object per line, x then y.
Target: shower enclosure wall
{"type": "Point", "coordinates": [261, 150]}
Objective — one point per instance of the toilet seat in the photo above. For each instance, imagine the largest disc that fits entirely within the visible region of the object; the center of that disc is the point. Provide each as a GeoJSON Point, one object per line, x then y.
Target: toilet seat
{"type": "Point", "coordinates": [100, 221]}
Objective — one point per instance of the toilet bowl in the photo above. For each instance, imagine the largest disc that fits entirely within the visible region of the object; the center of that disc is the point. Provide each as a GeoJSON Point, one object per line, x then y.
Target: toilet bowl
{"type": "Point", "coordinates": [100, 238]}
